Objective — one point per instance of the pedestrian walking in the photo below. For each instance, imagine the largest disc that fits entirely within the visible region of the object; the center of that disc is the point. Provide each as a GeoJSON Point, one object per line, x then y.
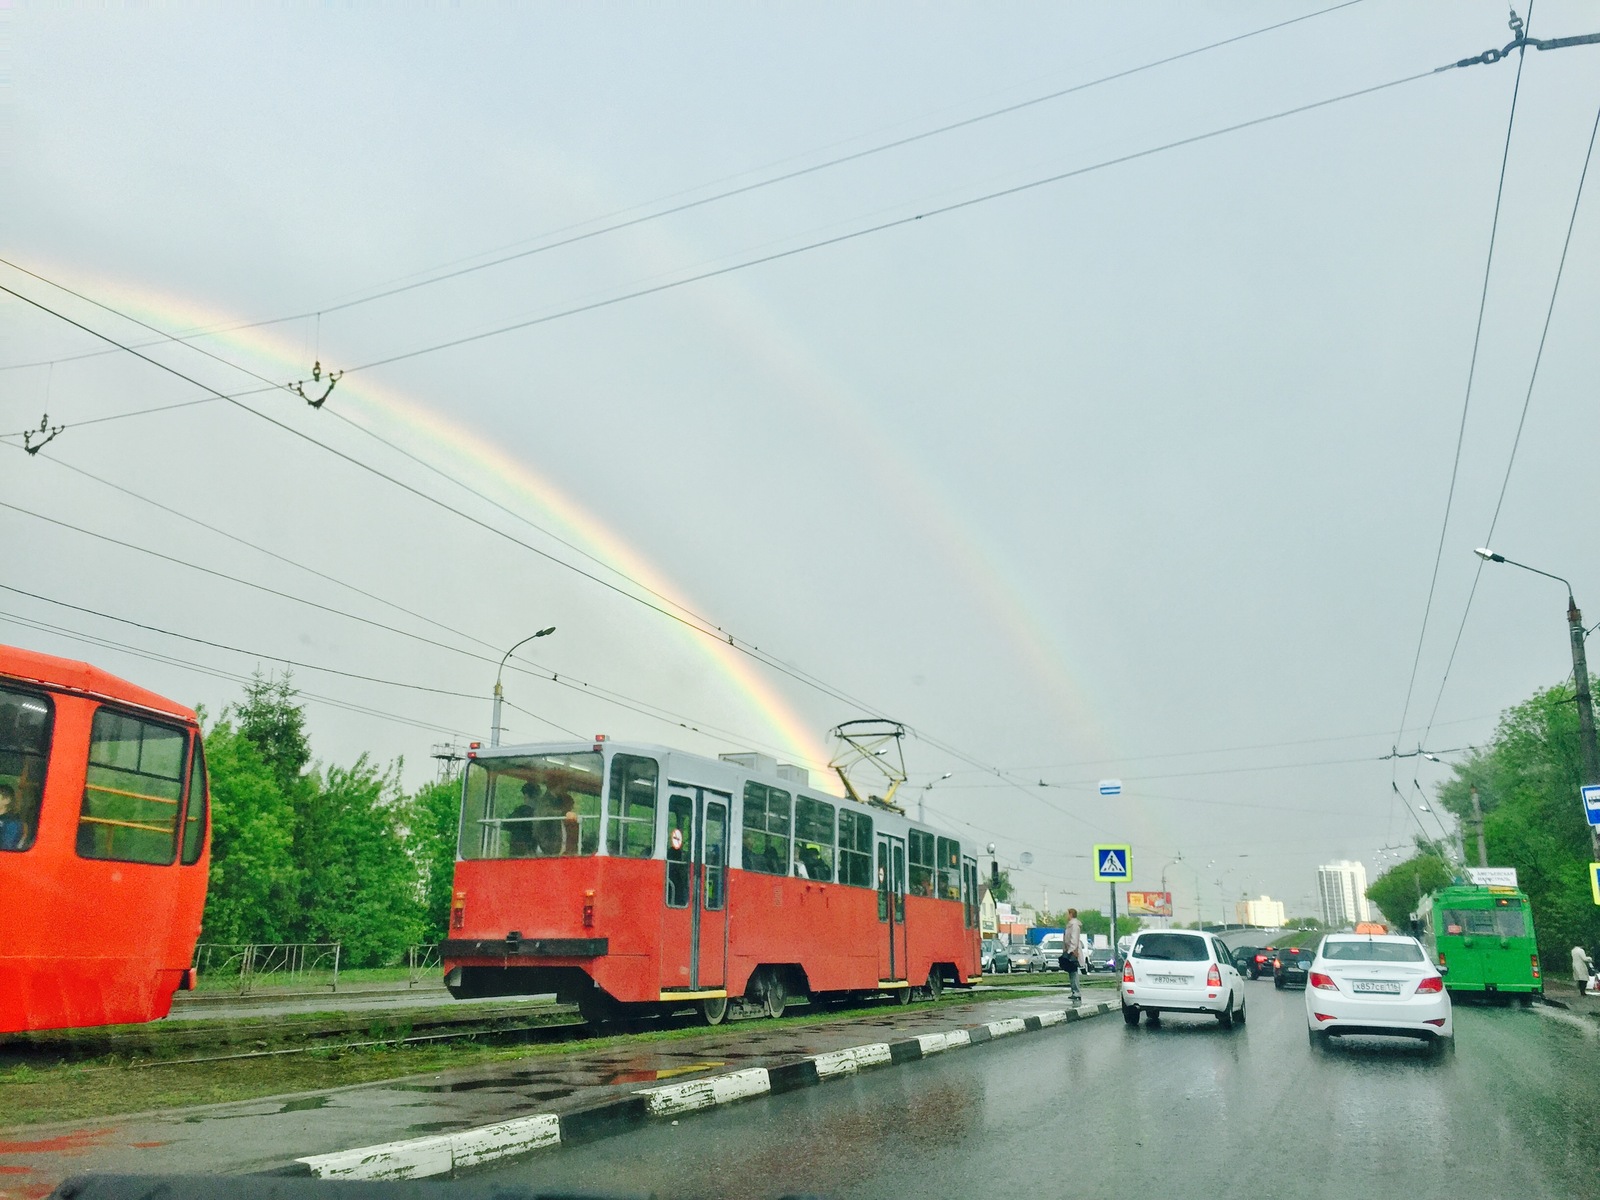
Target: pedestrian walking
{"type": "Point", "coordinates": [1072, 951]}
{"type": "Point", "coordinates": [1582, 968]}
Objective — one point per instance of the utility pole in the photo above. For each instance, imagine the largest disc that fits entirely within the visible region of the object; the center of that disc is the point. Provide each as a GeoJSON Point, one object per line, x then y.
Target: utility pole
{"type": "Point", "coordinates": [1477, 824]}
{"type": "Point", "coordinates": [1580, 680]}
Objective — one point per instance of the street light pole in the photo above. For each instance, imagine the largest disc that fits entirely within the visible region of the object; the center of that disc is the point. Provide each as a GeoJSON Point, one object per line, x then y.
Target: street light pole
{"type": "Point", "coordinates": [499, 694]}
{"type": "Point", "coordinates": [928, 787]}
{"type": "Point", "coordinates": [1588, 747]}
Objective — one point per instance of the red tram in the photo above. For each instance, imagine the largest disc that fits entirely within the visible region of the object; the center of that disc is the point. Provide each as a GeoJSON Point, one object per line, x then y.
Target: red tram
{"type": "Point", "coordinates": [636, 878]}
{"type": "Point", "coordinates": [103, 846]}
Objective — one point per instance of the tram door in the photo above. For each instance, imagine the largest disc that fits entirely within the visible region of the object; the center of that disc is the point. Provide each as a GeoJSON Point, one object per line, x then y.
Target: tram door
{"type": "Point", "coordinates": [891, 907]}
{"type": "Point", "coordinates": [694, 924]}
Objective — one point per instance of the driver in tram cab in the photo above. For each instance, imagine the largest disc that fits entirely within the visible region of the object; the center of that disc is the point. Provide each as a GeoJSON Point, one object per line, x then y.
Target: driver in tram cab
{"type": "Point", "coordinates": [13, 830]}
{"type": "Point", "coordinates": [569, 823]}
{"type": "Point", "coordinates": [520, 832]}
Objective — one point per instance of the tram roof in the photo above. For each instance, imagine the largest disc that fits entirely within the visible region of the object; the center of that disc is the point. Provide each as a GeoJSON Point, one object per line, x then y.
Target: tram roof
{"type": "Point", "coordinates": [70, 675]}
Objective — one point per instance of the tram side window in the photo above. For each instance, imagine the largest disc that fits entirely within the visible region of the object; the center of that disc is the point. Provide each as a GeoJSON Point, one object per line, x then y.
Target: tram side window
{"type": "Point", "coordinates": [969, 893]}
{"type": "Point", "coordinates": [949, 878]}
{"type": "Point", "coordinates": [631, 807]}
{"type": "Point", "coordinates": [25, 726]}
{"type": "Point", "coordinates": [133, 790]}
{"type": "Point", "coordinates": [766, 829]}
{"type": "Point", "coordinates": [921, 863]}
{"type": "Point", "coordinates": [855, 849]}
{"type": "Point", "coordinates": [813, 839]}
{"type": "Point", "coordinates": [715, 854]}
{"type": "Point", "coordinates": [194, 817]}
{"type": "Point", "coordinates": [680, 840]}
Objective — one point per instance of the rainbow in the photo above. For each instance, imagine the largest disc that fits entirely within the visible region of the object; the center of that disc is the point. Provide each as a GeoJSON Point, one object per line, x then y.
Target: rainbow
{"type": "Point", "coordinates": [456, 450]}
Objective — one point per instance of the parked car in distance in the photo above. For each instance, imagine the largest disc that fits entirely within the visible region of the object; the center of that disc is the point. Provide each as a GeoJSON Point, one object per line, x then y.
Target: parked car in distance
{"type": "Point", "coordinates": [986, 954]}
{"type": "Point", "coordinates": [1051, 948]}
{"type": "Point", "coordinates": [1101, 960]}
{"type": "Point", "coordinates": [1382, 986]}
{"type": "Point", "coordinates": [1181, 971]}
{"type": "Point", "coordinates": [1014, 959]}
{"type": "Point", "coordinates": [1291, 966]}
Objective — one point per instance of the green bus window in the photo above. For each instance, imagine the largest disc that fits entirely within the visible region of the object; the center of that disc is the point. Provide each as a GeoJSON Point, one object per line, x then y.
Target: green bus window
{"type": "Point", "coordinates": [766, 829]}
{"type": "Point", "coordinates": [921, 863]}
{"type": "Point", "coordinates": [680, 843]}
{"type": "Point", "coordinates": [631, 807]}
{"type": "Point", "coordinates": [813, 838]}
{"type": "Point", "coordinates": [855, 849]}
{"type": "Point", "coordinates": [25, 731]}
{"type": "Point", "coordinates": [948, 882]}
{"type": "Point", "coordinates": [133, 789]}
{"type": "Point", "coordinates": [194, 817]}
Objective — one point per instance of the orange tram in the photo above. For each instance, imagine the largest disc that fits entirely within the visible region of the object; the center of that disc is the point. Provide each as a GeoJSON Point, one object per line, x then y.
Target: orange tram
{"type": "Point", "coordinates": [635, 879]}
{"type": "Point", "coordinates": [103, 846]}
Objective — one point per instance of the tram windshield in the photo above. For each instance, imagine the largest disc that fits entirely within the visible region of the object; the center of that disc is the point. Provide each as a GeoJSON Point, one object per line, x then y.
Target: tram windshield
{"type": "Point", "coordinates": [532, 806]}
{"type": "Point", "coordinates": [24, 751]}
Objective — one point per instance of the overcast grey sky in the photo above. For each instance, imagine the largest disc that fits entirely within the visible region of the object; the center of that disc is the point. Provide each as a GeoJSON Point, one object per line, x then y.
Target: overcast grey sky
{"type": "Point", "coordinates": [1136, 474]}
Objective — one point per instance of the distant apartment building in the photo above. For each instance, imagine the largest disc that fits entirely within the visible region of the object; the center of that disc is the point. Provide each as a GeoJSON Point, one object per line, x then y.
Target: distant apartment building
{"type": "Point", "coordinates": [1264, 912]}
{"type": "Point", "coordinates": [1342, 888]}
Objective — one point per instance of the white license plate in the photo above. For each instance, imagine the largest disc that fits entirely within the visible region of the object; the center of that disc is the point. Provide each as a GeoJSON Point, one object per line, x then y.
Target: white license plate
{"type": "Point", "coordinates": [1374, 985]}
{"type": "Point", "coordinates": [1169, 979]}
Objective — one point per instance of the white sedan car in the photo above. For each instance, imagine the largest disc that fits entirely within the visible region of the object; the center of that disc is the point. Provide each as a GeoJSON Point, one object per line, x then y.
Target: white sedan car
{"type": "Point", "coordinates": [1376, 985]}
{"type": "Point", "coordinates": [1181, 971]}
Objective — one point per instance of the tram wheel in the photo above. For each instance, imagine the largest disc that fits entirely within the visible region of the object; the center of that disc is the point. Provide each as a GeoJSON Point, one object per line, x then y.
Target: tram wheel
{"type": "Point", "coordinates": [935, 984]}
{"type": "Point", "coordinates": [774, 996]}
{"type": "Point", "coordinates": [714, 1010]}
{"type": "Point", "coordinates": [902, 996]}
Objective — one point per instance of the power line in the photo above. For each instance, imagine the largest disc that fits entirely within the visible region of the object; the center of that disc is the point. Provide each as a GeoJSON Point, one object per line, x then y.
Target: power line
{"type": "Point", "coordinates": [1522, 420]}
{"type": "Point", "coordinates": [1466, 401]}
{"type": "Point", "coordinates": [744, 189]}
{"type": "Point", "coordinates": [882, 226]}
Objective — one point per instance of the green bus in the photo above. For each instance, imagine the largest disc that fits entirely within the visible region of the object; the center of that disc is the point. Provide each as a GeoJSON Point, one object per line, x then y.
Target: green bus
{"type": "Point", "coordinates": [1482, 939]}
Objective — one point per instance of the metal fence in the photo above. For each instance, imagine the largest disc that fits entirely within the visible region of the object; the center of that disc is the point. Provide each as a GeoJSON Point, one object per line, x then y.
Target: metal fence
{"type": "Point", "coordinates": [422, 964]}
{"type": "Point", "coordinates": [295, 964]}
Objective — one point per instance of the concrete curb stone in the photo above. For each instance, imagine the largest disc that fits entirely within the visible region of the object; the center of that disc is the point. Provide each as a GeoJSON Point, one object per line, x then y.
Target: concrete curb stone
{"type": "Point", "coordinates": [448, 1153]}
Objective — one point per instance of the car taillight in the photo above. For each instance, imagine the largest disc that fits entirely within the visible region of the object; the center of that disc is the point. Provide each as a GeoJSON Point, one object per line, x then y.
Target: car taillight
{"type": "Point", "coordinates": [1319, 980]}
{"type": "Point", "coordinates": [1127, 970]}
{"type": "Point", "coordinates": [1534, 958]}
{"type": "Point", "coordinates": [1214, 977]}
{"type": "Point", "coordinates": [1431, 984]}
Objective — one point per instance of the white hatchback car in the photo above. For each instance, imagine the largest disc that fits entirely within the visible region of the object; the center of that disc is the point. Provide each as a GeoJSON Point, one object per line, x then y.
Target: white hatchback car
{"type": "Point", "coordinates": [1377, 985]}
{"type": "Point", "coordinates": [1181, 971]}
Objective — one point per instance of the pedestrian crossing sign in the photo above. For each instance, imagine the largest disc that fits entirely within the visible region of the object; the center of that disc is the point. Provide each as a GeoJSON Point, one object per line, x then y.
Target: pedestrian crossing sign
{"type": "Point", "coordinates": [1594, 881]}
{"type": "Point", "coordinates": [1113, 864]}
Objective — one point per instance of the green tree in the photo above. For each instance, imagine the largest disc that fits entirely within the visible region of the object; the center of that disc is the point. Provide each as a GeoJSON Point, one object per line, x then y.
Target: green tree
{"type": "Point", "coordinates": [271, 719]}
{"type": "Point", "coordinates": [1000, 886]}
{"type": "Point", "coordinates": [358, 884]}
{"type": "Point", "coordinates": [431, 822]}
{"type": "Point", "coordinates": [1099, 923]}
{"type": "Point", "coordinates": [1400, 889]}
{"type": "Point", "coordinates": [253, 880]}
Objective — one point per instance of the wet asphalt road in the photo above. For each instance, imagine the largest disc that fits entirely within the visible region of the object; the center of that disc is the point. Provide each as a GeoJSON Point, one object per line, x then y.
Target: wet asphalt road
{"type": "Point", "coordinates": [1178, 1110]}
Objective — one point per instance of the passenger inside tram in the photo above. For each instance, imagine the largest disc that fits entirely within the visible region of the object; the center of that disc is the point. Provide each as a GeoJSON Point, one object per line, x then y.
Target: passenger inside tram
{"type": "Point", "coordinates": [13, 828]}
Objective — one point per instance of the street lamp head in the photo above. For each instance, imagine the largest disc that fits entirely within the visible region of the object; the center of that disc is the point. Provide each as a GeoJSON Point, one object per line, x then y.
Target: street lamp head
{"type": "Point", "coordinates": [1489, 555]}
{"type": "Point", "coordinates": [545, 632]}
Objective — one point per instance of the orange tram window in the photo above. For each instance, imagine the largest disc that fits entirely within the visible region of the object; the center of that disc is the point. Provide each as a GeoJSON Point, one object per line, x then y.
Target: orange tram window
{"type": "Point", "coordinates": [104, 845]}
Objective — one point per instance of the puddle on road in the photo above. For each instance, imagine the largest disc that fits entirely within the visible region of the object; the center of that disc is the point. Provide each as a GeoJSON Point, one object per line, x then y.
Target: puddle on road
{"type": "Point", "coordinates": [305, 1104]}
{"type": "Point", "coordinates": [657, 1074]}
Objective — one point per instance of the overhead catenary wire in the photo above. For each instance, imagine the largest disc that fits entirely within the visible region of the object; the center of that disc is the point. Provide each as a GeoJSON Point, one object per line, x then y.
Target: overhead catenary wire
{"type": "Point", "coordinates": [742, 189]}
{"type": "Point", "coordinates": [1522, 419]}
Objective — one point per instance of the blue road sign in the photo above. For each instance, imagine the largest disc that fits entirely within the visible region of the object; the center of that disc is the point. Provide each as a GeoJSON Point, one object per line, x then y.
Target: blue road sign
{"type": "Point", "coordinates": [1113, 864]}
{"type": "Point", "coordinates": [1591, 802]}
{"type": "Point", "coordinates": [1111, 787]}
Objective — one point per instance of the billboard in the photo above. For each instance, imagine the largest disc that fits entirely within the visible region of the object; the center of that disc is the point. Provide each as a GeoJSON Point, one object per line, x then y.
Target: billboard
{"type": "Point", "coordinates": [1149, 904]}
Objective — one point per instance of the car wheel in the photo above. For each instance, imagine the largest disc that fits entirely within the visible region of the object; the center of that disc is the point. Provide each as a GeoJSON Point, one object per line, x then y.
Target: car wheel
{"type": "Point", "coordinates": [1239, 1016]}
{"type": "Point", "coordinates": [1318, 1039]}
{"type": "Point", "coordinates": [1130, 1015]}
{"type": "Point", "coordinates": [1225, 1017]}
{"type": "Point", "coordinates": [1278, 983]}
{"type": "Point", "coordinates": [1443, 1045]}
{"type": "Point", "coordinates": [1255, 974]}
{"type": "Point", "coordinates": [1152, 1017]}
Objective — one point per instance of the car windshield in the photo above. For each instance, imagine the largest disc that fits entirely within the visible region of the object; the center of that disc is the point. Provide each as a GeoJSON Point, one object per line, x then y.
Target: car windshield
{"type": "Point", "coordinates": [1171, 947]}
{"type": "Point", "coordinates": [1379, 952]}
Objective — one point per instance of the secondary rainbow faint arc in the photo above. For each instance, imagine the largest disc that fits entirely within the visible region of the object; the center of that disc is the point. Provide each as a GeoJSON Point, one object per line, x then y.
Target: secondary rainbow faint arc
{"type": "Point", "coordinates": [166, 312]}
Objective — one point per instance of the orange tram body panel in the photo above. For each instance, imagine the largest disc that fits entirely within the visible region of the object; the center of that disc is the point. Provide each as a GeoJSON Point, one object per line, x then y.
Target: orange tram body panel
{"type": "Point", "coordinates": [104, 846]}
{"type": "Point", "coordinates": [628, 877]}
